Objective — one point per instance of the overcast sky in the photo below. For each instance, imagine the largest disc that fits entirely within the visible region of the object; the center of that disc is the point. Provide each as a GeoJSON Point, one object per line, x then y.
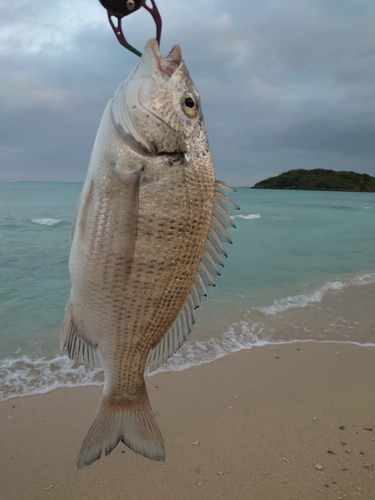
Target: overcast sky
{"type": "Point", "coordinates": [284, 83]}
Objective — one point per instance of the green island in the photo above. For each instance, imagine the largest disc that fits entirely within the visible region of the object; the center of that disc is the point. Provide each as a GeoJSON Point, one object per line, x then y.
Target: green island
{"type": "Point", "coordinates": [319, 179]}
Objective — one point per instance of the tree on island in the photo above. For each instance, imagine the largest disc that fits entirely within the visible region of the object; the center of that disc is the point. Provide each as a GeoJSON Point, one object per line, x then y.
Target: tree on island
{"type": "Point", "coordinates": [319, 179]}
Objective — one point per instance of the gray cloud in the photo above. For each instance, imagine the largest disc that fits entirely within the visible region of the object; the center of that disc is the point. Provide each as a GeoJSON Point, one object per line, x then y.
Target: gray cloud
{"type": "Point", "coordinates": [284, 84]}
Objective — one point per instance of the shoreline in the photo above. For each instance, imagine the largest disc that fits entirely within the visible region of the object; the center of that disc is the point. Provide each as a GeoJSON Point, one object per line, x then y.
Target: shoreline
{"type": "Point", "coordinates": [175, 365]}
{"type": "Point", "coordinates": [334, 311]}
{"type": "Point", "coordinates": [256, 424]}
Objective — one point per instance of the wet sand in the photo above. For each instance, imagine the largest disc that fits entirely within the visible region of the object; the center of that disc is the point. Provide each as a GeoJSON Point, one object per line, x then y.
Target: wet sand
{"type": "Point", "coordinates": [289, 422]}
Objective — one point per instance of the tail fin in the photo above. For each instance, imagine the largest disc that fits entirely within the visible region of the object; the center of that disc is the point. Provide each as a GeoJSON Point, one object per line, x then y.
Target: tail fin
{"type": "Point", "coordinates": [132, 423]}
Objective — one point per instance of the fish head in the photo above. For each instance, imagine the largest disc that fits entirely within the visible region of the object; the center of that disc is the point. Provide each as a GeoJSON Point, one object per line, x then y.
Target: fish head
{"type": "Point", "coordinates": [159, 105]}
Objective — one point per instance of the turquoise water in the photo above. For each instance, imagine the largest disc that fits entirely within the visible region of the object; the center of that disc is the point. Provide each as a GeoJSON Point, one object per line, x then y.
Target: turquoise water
{"type": "Point", "coordinates": [35, 223]}
{"type": "Point", "coordinates": [285, 238]}
{"type": "Point", "coordinates": [302, 267]}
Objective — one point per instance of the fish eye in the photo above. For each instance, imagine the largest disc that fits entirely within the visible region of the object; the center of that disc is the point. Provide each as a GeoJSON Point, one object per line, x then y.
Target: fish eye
{"type": "Point", "coordinates": [189, 102]}
{"type": "Point", "coordinates": [189, 105]}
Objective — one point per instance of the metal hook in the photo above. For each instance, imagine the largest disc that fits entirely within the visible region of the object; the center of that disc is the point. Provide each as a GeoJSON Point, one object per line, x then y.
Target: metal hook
{"type": "Point", "coordinates": [157, 18]}
{"type": "Point", "coordinates": [121, 8]}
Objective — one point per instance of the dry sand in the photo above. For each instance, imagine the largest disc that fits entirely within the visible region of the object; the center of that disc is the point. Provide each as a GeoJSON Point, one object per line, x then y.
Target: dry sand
{"type": "Point", "coordinates": [289, 422]}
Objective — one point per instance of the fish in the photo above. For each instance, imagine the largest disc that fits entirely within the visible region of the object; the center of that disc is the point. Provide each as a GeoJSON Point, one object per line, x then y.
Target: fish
{"type": "Point", "coordinates": [147, 239]}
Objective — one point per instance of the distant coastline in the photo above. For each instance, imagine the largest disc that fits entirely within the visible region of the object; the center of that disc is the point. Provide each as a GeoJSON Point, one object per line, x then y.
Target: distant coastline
{"type": "Point", "coordinates": [319, 179]}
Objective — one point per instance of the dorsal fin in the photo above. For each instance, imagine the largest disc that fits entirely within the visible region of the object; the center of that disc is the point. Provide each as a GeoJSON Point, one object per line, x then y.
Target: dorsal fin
{"type": "Point", "coordinates": [223, 216]}
{"type": "Point", "coordinates": [205, 274]}
{"type": "Point", "coordinates": [224, 186]}
{"type": "Point", "coordinates": [211, 250]}
{"type": "Point", "coordinates": [201, 287]}
{"type": "Point", "coordinates": [220, 230]}
{"type": "Point", "coordinates": [183, 325]}
{"type": "Point", "coordinates": [210, 264]}
{"type": "Point", "coordinates": [217, 243]}
{"type": "Point", "coordinates": [195, 297]}
{"type": "Point", "coordinates": [224, 201]}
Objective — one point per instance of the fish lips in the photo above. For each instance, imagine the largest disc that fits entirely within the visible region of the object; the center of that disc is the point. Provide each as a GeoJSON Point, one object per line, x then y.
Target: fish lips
{"type": "Point", "coordinates": [166, 65]}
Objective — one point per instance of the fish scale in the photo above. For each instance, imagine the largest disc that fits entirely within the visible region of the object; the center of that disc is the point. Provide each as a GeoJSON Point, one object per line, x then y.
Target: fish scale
{"type": "Point", "coordinates": [170, 304]}
{"type": "Point", "coordinates": [141, 258]}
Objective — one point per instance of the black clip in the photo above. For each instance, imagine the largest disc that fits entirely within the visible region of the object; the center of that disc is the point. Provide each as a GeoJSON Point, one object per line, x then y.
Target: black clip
{"type": "Point", "coordinates": [121, 8]}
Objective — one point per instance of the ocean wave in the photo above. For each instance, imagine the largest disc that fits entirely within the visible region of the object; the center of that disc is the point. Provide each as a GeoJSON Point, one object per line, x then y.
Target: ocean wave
{"type": "Point", "coordinates": [240, 336]}
{"type": "Point", "coordinates": [46, 222]}
{"type": "Point", "coordinates": [250, 216]}
{"type": "Point", "coordinates": [195, 353]}
{"type": "Point", "coordinates": [364, 279]}
{"type": "Point", "coordinates": [25, 376]}
{"type": "Point", "coordinates": [303, 300]}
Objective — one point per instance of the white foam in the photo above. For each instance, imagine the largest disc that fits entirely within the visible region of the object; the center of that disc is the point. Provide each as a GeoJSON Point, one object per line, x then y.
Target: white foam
{"type": "Point", "coordinates": [248, 217]}
{"type": "Point", "coordinates": [303, 300]}
{"type": "Point", "coordinates": [46, 222]}
{"type": "Point", "coordinates": [364, 279]}
{"type": "Point", "coordinates": [197, 353]}
{"type": "Point", "coordinates": [367, 208]}
{"type": "Point", "coordinates": [24, 376]}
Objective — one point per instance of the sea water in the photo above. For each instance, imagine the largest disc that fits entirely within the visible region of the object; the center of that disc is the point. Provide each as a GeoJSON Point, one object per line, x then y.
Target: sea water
{"type": "Point", "coordinates": [302, 268]}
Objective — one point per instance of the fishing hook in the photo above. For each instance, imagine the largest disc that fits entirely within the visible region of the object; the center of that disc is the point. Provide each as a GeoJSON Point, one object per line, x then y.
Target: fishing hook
{"type": "Point", "coordinates": [117, 9]}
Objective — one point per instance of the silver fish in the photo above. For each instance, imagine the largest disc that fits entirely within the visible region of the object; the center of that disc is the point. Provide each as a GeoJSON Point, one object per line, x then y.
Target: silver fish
{"type": "Point", "coordinates": [147, 236]}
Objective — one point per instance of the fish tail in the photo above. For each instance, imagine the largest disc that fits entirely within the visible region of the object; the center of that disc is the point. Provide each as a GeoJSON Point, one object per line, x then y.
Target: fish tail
{"type": "Point", "coordinates": [131, 422]}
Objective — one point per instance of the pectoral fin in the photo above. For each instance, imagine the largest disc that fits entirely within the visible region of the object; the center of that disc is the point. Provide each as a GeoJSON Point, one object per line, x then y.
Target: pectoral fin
{"type": "Point", "coordinates": [80, 214]}
{"type": "Point", "coordinates": [132, 182]}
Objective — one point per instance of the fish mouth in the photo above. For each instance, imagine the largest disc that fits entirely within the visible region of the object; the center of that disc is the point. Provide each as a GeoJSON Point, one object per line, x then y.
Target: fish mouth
{"type": "Point", "coordinates": [166, 65]}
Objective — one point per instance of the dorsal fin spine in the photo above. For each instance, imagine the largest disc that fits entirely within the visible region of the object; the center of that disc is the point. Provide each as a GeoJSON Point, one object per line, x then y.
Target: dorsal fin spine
{"type": "Point", "coordinates": [205, 274]}
{"type": "Point", "coordinates": [223, 216]}
{"type": "Point", "coordinates": [210, 264]}
{"type": "Point", "coordinates": [195, 297]}
{"type": "Point", "coordinates": [224, 186]}
{"type": "Point", "coordinates": [220, 229]}
{"type": "Point", "coordinates": [201, 287]}
{"type": "Point", "coordinates": [210, 247]}
{"type": "Point", "coordinates": [217, 243]}
{"type": "Point", "coordinates": [224, 201]}
{"type": "Point", "coordinates": [190, 310]}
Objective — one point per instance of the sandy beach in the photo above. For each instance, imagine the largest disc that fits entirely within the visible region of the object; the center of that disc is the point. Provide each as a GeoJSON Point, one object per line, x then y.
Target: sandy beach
{"type": "Point", "coordinates": [281, 422]}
